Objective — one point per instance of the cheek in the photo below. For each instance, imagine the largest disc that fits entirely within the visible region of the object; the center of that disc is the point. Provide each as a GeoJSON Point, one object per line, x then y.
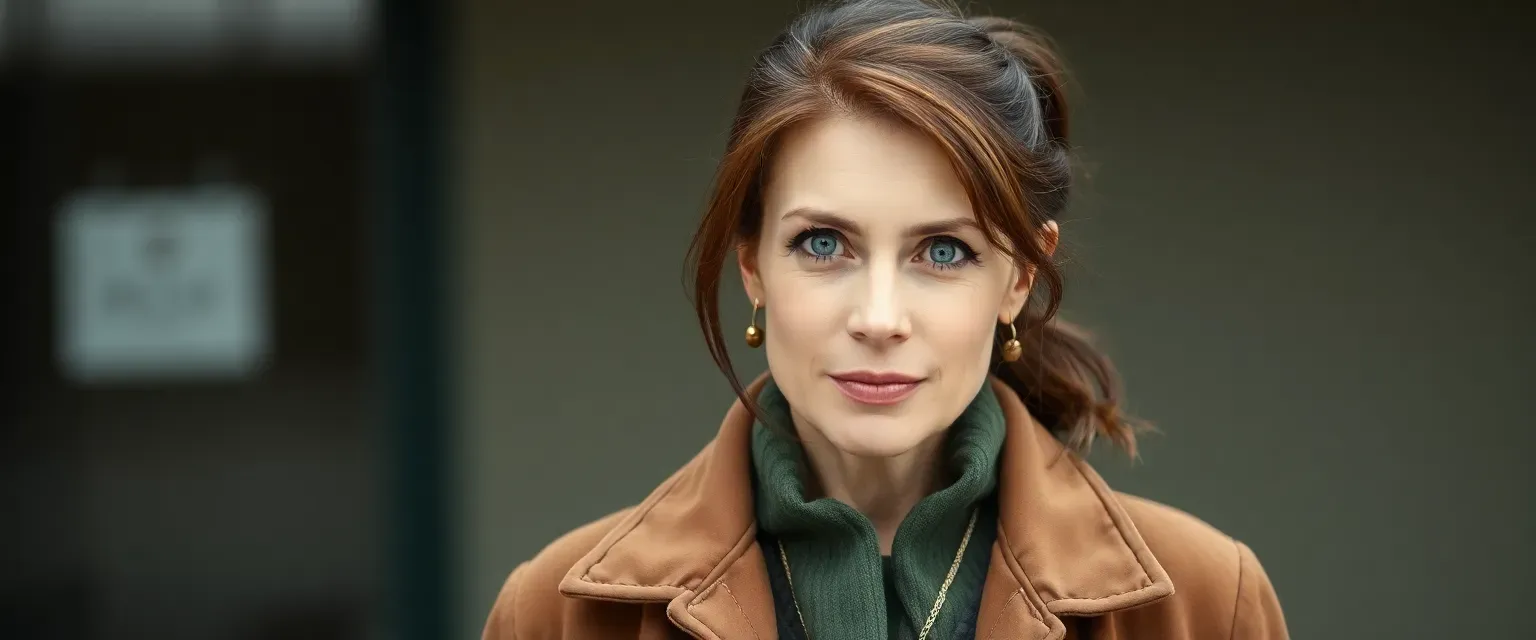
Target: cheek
{"type": "Point", "coordinates": [960, 329]}
{"type": "Point", "coordinates": [803, 317]}
{"type": "Point", "coordinates": [963, 338]}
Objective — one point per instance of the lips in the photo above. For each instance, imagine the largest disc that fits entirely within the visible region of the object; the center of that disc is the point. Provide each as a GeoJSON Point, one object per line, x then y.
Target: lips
{"type": "Point", "coordinates": [876, 388]}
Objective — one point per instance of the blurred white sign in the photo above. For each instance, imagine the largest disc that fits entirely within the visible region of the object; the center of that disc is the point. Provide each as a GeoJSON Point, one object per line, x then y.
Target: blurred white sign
{"type": "Point", "coordinates": [162, 284]}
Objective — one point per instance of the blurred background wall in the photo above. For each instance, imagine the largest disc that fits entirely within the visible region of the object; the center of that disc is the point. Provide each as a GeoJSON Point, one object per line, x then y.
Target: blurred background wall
{"type": "Point", "coordinates": [1304, 233]}
{"type": "Point", "coordinates": [158, 502]}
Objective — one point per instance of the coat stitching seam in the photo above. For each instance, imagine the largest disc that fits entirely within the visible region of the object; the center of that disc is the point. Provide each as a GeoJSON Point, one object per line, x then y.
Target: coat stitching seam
{"type": "Point", "coordinates": [992, 633]}
{"type": "Point", "coordinates": [734, 601]}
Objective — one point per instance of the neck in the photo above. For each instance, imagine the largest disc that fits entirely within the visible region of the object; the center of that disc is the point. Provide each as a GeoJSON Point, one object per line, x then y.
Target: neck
{"type": "Point", "coordinates": [883, 489]}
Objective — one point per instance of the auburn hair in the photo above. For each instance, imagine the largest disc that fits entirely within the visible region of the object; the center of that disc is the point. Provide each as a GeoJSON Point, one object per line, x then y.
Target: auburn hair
{"type": "Point", "coordinates": [989, 91]}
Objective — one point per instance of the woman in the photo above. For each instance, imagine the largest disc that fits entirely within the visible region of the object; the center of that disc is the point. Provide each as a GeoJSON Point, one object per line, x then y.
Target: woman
{"type": "Point", "coordinates": [908, 467]}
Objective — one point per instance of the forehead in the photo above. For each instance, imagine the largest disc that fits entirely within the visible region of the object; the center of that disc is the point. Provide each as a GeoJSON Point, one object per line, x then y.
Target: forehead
{"type": "Point", "coordinates": [868, 168]}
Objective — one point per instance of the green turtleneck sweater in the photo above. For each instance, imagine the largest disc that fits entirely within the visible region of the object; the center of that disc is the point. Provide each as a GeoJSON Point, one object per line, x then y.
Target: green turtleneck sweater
{"type": "Point", "coordinates": [844, 587]}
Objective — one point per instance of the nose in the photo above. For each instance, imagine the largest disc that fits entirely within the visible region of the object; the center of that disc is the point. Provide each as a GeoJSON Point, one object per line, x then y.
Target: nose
{"type": "Point", "coordinates": [879, 317]}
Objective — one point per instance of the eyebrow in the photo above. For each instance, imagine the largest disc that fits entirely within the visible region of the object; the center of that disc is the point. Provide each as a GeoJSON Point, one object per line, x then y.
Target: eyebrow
{"type": "Point", "coordinates": [829, 219]}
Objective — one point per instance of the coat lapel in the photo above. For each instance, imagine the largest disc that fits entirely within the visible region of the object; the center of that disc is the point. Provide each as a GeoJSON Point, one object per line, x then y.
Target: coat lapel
{"type": "Point", "coordinates": [738, 605]}
{"type": "Point", "coordinates": [691, 545]}
{"type": "Point", "coordinates": [1065, 546]}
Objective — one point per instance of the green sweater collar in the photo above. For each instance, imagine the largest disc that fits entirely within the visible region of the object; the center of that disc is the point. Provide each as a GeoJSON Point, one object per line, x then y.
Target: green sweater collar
{"type": "Point", "coordinates": [840, 579]}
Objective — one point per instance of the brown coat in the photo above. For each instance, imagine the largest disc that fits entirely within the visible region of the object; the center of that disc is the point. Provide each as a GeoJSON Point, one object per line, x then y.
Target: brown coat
{"type": "Point", "coordinates": [1073, 559]}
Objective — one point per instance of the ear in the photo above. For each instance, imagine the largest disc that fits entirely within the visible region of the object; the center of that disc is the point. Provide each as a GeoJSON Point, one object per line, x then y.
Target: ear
{"type": "Point", "coordinates": [1024, 280]}
{"type": "Point", "coordinates": [751, 280]}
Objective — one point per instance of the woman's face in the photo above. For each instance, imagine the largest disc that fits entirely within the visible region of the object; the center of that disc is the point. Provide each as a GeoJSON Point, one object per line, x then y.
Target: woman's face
{"type": "Point", "coordinates": [880, 293]}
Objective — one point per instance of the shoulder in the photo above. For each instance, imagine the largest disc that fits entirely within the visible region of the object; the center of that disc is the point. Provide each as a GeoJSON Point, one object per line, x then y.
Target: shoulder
{"type": "Point", "coordinates": [1198, 557]}
{"type": "Point", "coordinates": [531, 594]}
{"type": "Point", "coordinates": [1217, 580]}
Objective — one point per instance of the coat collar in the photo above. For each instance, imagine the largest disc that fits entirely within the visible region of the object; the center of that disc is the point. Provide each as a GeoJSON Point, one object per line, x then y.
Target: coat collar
{"type": "Point", "coordinates": [1065, 546]}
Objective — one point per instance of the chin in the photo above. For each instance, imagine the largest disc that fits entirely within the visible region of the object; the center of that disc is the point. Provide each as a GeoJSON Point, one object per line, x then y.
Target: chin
{"type": "Point", "coordinates": [874, 436]}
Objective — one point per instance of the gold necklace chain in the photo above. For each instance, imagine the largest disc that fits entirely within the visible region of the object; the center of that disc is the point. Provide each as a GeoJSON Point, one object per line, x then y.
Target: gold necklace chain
{"type": "Point", "coordinates": [938, 604]}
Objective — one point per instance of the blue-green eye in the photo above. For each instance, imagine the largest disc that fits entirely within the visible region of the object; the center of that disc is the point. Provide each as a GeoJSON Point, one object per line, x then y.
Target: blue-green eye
{"type": "Point", "coordinates": [821, 245]}
{"type": "Point", "coordinates": [946, 251]}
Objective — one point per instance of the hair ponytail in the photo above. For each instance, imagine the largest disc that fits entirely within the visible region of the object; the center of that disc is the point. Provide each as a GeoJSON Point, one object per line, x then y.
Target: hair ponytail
{"type": "Point", "coordinates": [1069, 386]}
{"type": "Point", "coordinates": [1065, 381]}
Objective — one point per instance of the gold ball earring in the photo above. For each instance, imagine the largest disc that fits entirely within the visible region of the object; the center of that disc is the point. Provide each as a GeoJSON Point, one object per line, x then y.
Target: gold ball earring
{"type": "Point", "coordinates": [1012, 350]}
{"type": "Point", "coordinates": [754, 334]}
